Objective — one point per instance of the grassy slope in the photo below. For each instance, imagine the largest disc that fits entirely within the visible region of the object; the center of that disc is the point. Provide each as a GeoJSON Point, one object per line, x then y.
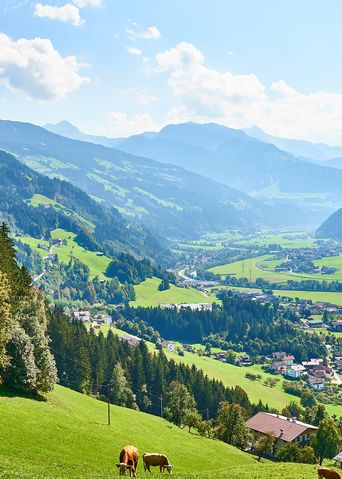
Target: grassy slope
{"type": "Point", "coordinates": [96, 264]}
{"type": "Point", "coordinates": [148, 295]}
{"type": "Point", "coordinates": [234, 375]}
{"type": "Point", "coordinates": [67, 437]}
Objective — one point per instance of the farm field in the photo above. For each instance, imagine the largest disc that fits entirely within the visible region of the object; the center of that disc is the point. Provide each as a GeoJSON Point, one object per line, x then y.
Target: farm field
{"type": "Point", "coordinates": [38, 200]}
{"type": "Point", "coordinates": [67, 436]}
{"type": "Point", "coordinates": [199, 245]}
{"type": "Point", "coordinates": [263, 267]}
{"type": "Point", "coordinates": [147, 294]}
{"type": "Point", "coordinates": [251, 268]}
{"type": "Point", "coordinates": [285, 240]}
{"type": "Point", "coordinates": [33, 244]}
{"type": "Point", "coordinates": [320, 296]}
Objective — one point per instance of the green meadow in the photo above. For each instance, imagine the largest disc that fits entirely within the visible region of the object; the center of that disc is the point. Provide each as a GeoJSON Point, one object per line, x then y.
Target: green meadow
{"type": "Point", "coordinates": [66, 436]}
{"type": "Point", "coordinates": [147, 294]}
{"type": "Point", "coordinates": [285, 240]}
{"type": "Point", "coordinates": [264, 266]}
{"type": "Point", "coordinates": [96, 264]}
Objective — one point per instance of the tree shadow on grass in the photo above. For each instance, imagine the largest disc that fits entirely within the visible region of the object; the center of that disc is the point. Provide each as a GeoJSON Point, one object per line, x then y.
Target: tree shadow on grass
{"type": "Point", "coordinates": [8, 393]}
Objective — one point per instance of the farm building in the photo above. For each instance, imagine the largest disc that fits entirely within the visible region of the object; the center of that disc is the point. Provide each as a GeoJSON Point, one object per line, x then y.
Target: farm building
{"type": "Point", "coordinates": [284, 430]}
{"type": "Point", "coordinates": [133, 341]}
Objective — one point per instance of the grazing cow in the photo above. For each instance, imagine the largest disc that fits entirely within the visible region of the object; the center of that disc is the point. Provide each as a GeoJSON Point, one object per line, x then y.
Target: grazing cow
{"type": "Point", "coordinates": [326, 473]}
{"type": "Point", "coordinates": [156, 459]}
{"type": "Point", "coordinates": [128, 460]}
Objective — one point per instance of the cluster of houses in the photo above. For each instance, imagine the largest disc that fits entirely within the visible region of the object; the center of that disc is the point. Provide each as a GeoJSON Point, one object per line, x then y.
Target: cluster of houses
{"type": "Point", "coordinates": [192, 306]}
{"type": "Point", "coordinates": [95, 321]}
{"type": "Point", "coordinates": [313, 371]}
{"type": "Point", "coordinates": [337, 356]}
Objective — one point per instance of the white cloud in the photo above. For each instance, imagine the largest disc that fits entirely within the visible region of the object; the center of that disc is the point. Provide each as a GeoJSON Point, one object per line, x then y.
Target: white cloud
{"type": "Point", "coordinates": [134, 51]}
{"type": "Point", "coordinates": [87, 3]}
{"type": "Point", "coordinates": [241, 100]}
{"type": "Point", "coordinates": [152, 33]}
{"type": "Point", "coordinates": [66, 13]}
{"type": "Point", "coordinates": [36, 68]}
{"type": "Point", "coordinates": [120, 125]}
{"type": "Point", "coordinates": [140, 96]}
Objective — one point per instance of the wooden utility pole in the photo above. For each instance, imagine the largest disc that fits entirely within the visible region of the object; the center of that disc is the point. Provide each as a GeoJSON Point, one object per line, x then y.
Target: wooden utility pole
{"type": "Point", "coordinates": [108, 403]}
{"type": "Point", "coordinates": [161, 405]}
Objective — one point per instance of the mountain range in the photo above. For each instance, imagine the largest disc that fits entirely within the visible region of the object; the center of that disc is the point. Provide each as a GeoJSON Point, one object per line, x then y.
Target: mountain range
{"type": "Point", "coordinates": [310, 191]}
{"type": "Point", "coordinates": [165, 197]}
{"type": "Point", "coordinates": [318, 152]}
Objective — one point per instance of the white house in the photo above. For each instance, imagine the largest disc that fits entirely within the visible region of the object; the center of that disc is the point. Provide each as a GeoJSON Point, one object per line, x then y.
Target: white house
{"type": "Point", "coordinates": [316, 383]}
{"type": "Point", "coordinates": [295, 371]}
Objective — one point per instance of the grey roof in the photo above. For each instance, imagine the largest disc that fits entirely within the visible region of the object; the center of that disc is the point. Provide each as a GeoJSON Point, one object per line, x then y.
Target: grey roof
{"type": "Point", "coordinates": [338, 458]}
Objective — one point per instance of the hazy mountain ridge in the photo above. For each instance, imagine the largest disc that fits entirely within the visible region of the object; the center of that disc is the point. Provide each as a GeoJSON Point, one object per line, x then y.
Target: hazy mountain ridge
{"type": "Point", "coordinates": [300, 148]}
{"type": "Point", "coordinates": [245, 163]}
{"type": "Point", "coordinates": [174, 201]}
{"type": "Point", "coordinates": [331, 227]}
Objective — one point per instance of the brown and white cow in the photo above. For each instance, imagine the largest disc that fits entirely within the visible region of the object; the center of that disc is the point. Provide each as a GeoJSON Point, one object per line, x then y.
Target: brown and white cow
{"type": "Point", "coordinates": [129, 457]}
{"type": "Point", "coordinates": [155, 459]}
{"type": "Point", "coordinates": [326, 473]}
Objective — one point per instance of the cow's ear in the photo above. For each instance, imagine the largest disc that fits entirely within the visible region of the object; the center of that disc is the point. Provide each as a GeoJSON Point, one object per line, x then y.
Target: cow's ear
{"type": "Point", "coordinates": [117, 465]}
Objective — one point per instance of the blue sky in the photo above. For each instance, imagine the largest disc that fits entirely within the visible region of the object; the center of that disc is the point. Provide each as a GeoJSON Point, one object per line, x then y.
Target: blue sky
{"type": "Point", "coordinates": [119, 68]}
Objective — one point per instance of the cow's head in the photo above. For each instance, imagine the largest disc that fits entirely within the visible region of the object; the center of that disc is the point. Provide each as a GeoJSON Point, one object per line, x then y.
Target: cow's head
{"type": "Point", "coordinates": [169, 468]}
{"type": "Point", "coordinates": [123, 467]}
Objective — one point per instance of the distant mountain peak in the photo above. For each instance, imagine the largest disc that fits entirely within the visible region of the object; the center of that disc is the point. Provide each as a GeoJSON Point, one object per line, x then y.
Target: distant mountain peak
{"type": "Point", "coordinates": [63, 125]}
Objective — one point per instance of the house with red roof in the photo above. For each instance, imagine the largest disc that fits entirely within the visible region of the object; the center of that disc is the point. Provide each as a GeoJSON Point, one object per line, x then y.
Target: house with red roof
{"type": "Point", "coordinates": [285, 430]}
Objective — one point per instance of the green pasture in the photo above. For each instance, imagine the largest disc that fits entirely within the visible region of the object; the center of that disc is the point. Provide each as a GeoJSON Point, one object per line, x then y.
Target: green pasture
{"type": "Point", "coordinates": [66, 436]}
{"type": "Point", "coordinates": [147, 294]}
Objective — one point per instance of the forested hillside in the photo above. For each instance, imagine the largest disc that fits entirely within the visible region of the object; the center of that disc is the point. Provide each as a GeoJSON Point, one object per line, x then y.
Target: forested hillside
{"type": "Point", "coordinates": [239, 325]}
{"type": "Point", "coordinates": [63, 205]}
{"type": "Point", "coordinates": [176, 202]}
